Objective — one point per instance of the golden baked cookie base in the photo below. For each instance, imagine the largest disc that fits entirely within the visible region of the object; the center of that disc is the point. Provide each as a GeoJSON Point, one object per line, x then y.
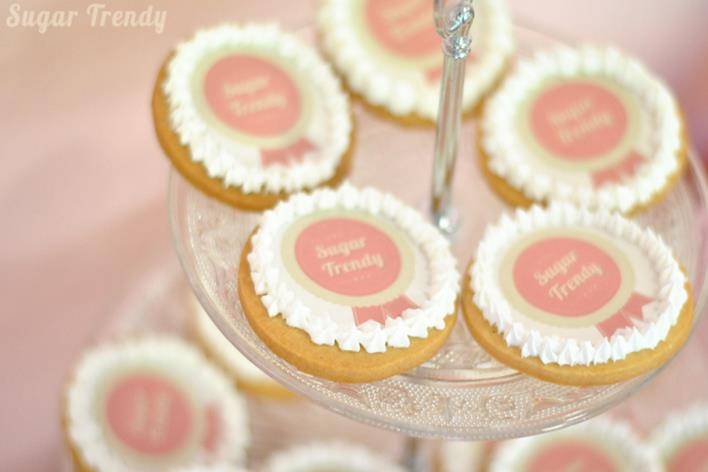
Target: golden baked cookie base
{"type": "Point", "coordinates": [197, 174]}
{"type": "Point", "coordinates": [77, 458]}
{"type": "Point", "coordinates": [413, 120]}
{"type": "Point", "coordinates": [634, 365]}
{"type": "Point", "coordinates": [265, 390]}
{"type": "Point", "coordinates": [330, 362]}
{"type": "Point", "coordinates": [515, 197]}
{"type": "Point", "coordinates": [270, 390]}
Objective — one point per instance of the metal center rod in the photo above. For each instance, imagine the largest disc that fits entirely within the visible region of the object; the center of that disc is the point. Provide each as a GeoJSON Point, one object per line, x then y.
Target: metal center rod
{"type": "Point", "coordinates": [453, 24]}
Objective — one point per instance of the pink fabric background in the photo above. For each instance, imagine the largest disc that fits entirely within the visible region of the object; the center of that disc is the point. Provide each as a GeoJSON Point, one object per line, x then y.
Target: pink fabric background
{"type": "Point", "coordinates": [82, 187]}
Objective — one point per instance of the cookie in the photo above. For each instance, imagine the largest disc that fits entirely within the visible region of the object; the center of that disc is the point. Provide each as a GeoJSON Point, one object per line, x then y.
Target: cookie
{"type": "Point", "coordinates": [588, 126]}
{"type": "Point", "coordinates": [349, 285]}
{"type": "Point", "coordinates": [148, 404]}
{"type": "Point", "coordinates": [389, 53]}
{"type": "Point", "coordinates": [576, 297]}
{"type": "Point", "coordinates": [682, 440]}
{"type": "Point", "coordinates": [329, 456]}
{"type": "Point", "coordinates": [249, 378]}
{"type": "Point", "coordinates": [599, 445]}
{"type": "Point", "coordinates": [250, 114]}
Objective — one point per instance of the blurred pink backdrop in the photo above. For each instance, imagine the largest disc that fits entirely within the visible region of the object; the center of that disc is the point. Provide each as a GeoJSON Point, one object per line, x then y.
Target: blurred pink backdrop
{"type": "Point", "coordinates": [82, 187]}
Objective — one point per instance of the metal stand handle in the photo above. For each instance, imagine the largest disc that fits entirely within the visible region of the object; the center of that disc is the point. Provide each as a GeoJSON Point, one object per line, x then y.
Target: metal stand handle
{"type": "Point", "coordinates": [453, 24]}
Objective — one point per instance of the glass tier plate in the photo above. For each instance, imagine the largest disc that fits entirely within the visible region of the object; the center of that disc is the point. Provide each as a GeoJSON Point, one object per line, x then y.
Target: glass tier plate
{"type": "Point", "coordinates": [461, 393]}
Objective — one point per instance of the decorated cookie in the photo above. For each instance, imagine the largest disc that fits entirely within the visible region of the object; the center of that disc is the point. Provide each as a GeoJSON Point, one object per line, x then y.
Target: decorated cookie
{"type": "Point", "coordinates": [249, 378]}
{"type": "Point", "coordinates": [588, 126]}
{"type": "Point", "coordinates": [462, 456]}
{"type": "Point", "coordinates": [682, 441]}
{"type": "Point", "coordinates": [390, 53]}
{"type": "Point", "coordinates": [595, 446]}
{"type": "Point", "coordinates": [251, 114]}
{"type": "Point", "coordinates": [152, 404]}
{"type": "Point", "coordinates": [348, 284]}
{"type": "Point", "coordinates": [576, 297]}
{"type": "Point", "coordinates": [328, 456]}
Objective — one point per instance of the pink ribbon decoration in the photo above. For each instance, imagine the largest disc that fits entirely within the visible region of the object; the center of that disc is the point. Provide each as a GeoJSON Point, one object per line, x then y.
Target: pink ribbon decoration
{"type": "Point", "coordinates": [626, 168]}
{"type": "Point", "coordinates": [285, 156]}
{"type": "Point", "coordinates": [625, 316]}
{"type": "Point", "coordinates": [392, 309]}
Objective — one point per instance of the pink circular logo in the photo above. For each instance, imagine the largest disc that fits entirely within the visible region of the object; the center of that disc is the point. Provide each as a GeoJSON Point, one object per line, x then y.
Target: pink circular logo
{"type": "Point", "coordinates": [148, 414]}
{"type": "Point", "coordinates": [252, 95]}
{"type": "Point", "coordinates": [578, 120]}
{"type": "Point", "coordinates": [348, 257]}
{"type": "Point", "coordinates": [405, 27]}
{"type": "Point", "coordinates": [562, 456]}
{"type": "Point", "coordinates": [692, 457]}
{"type": "Point", "coordinates": [566, 276]}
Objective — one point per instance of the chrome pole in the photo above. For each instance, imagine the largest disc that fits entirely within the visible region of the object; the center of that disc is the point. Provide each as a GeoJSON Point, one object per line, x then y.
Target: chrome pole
{"type": "Point", "coordinates": [453, 24]}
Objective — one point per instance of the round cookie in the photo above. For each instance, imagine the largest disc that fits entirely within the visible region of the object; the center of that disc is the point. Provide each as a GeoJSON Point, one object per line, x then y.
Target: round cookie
{"type": "Point", "coordinates": [596, 446]}
{"type": "Point", "coordinates": [148, 404]}
{"type": "Point", "coordinates": [576, 297]}
{"type": "Point", "coordinates": [250, 114]}
{"type": "Point", "coordinates": [682, 440]}
{"type": "Point", "coordinates": [390, 56]}
{"type": "Point", "coordinates": [248, 377]}
{"type": "Point", "coordinates": [328, 456]}
{"type": "Point", "coordinates": [588, 126]}
{"type": "Point", "coordinates": [349, 285]}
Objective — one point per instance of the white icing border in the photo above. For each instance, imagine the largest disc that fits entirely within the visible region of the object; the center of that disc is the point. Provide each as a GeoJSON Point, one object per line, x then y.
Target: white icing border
{"type": "Point", "coordinates": [618, 435]}
{"type": "Point", "coordinates": [334, 455]}
{"type": "Point", "coordinates": [679, 428]}
{"type": "Point", "coordinates": [508, 154]}
{"type": "Point", "coordinates": [277, 297]}
{"type": "Point", "coordinates": [501, 314]}
{"type": "Point", "coordinates": [227, 354]}
{"type": "Point", "coordinates": [402, 96]}
{"type": "Point", "coordinates": [215, 152]}
{"type": "Point", "coordinates": [184, 361]}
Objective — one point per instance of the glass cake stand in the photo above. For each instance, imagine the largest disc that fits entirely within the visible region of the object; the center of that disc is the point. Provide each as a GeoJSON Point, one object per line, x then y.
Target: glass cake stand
{"type": "Point", "coordinates": [461, 393]}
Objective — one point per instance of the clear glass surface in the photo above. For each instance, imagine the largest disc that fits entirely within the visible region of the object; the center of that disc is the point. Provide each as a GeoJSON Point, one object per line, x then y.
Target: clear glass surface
{"type": "Point", "coordinates": [461, 393]}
